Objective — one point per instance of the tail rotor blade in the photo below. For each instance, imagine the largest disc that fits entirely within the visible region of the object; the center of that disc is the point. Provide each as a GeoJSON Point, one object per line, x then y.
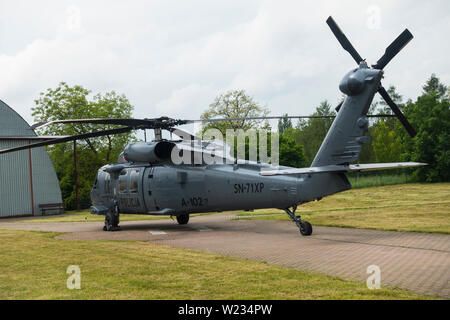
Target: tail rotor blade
{"type": "Point", "coordinates": [394, 48]}
{"type": "Point", "coordinates": [397, 111]}
{"type": "Point", "coordinates": [345, 43]}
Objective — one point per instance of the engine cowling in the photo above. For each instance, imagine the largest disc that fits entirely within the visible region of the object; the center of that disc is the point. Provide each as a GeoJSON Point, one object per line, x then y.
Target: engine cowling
{"type": "Point", "coordinates": [151, 152]}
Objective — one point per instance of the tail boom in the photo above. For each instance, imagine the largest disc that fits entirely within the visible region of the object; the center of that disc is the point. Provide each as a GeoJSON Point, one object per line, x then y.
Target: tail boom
{"type": "Point", "coordinates": [344, 140]}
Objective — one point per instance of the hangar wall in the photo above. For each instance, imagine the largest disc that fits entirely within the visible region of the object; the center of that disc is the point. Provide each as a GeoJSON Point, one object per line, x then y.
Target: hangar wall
{"type": "Point", "coordinates": [27, 177]}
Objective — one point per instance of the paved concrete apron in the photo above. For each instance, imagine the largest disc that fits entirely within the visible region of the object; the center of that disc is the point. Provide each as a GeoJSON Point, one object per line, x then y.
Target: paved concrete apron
{"type": "Point", "coordinates": [419, 262]}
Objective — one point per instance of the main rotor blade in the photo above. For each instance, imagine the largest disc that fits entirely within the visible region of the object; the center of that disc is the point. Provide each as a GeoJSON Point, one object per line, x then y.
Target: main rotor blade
{"type": "Point", "coordinates": [394, 48]}
{"type": "Point", "coordinates": [258, 118]}
{"type": "Point", "coordinates": [345, 43]}
{"type": "Point", "coordinates": [397, 111]}
{"type": "Point", "coordinates": [161, 122]}
{"type": "Point", "coordinates": [69, 138]}
{"type": "Point", "coordinates": [282, 117]}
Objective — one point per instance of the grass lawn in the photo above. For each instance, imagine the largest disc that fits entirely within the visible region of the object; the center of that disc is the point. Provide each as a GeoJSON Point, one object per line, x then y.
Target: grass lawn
{"type": "Point", "coordinates": [381, 178]}
{"type": "Point", "coordinates": [406, 207]}
{"type": "Point", "coordinates": [33, 266]}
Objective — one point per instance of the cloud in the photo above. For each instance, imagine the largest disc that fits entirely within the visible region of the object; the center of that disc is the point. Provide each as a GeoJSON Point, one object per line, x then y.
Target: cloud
{"type": "Point", "coordinates": [44, 63]}
{"type": "Point", "coordinates": [190, 100]}
{"type": "Point", "coordinates": [173, 58]}
{"type": "Point", "coordinates": [73, 20]}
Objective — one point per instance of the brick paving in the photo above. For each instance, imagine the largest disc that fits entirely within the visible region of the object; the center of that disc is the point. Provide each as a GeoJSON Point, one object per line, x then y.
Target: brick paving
{"type": "Point", "coordinates": [419, 262]}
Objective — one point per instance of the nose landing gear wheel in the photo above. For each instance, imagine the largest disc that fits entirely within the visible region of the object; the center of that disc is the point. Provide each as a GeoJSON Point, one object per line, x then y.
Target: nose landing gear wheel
{"type": "Point", "coordinates": [183, 219]}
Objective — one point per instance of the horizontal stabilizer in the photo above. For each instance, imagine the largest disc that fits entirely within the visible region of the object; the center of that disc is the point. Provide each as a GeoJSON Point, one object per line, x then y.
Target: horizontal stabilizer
{"type": "Point", "coordinates": [343, 168]}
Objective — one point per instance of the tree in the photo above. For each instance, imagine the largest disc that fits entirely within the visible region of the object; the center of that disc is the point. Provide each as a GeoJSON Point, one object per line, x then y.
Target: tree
{"type": "Point", "coordinates": [65, 102]}
{"type": "Point", "coordinates": [430, 116]}
{"type": "Point", "coordinates": [433, 86]}
{"type": "Point", "coordinates": [235, 104]}
{"type": "Point", "coordinates": [291, 153]}
{"type": "Point", "coordinates": [311, 132]}
{"type": "Point", "coordinates": [386, 143]}
{"type": "Point", "coordinates": [284, 123]}
{"type": "Point", "coordinates": [383, 107]}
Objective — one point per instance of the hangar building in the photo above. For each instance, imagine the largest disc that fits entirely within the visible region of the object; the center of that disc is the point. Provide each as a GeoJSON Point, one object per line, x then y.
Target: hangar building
{"type": "Point", "coordinates": [28, 182]}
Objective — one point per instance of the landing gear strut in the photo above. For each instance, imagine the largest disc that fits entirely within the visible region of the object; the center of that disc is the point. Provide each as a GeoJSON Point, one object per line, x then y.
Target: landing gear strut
{"type": "Point", "coordinates": [304, 226]}
{"type": "Point", "coordinates": [112, 220]}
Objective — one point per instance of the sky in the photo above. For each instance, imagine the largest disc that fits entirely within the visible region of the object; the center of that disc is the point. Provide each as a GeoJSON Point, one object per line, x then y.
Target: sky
{"type": "Point", "coordinates": [172, 58]}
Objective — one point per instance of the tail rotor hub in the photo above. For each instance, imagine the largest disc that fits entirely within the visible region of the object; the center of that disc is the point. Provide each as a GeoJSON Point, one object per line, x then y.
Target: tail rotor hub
{"type": "Point", "coordinates": [353, 82]}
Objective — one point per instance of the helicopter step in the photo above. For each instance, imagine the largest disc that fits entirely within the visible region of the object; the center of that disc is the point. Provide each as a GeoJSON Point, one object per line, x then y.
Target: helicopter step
{"type": "Point", "coordinates": [304, 226]}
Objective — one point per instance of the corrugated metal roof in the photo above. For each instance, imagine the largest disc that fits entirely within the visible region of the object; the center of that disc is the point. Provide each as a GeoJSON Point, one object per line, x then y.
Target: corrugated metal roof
{"type": "Point", "coordinates": [15, 190]}
{"type": "Point", "coordinates": [12, 124]}
{"type": "Point", "coordinates": [15, 180]}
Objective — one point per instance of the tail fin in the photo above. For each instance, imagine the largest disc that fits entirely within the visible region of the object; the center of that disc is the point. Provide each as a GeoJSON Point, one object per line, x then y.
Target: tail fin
{"type": "Point", "coordinates": [344, 140]}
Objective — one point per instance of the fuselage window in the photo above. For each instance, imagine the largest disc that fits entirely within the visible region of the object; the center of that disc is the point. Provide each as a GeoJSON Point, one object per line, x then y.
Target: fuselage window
{"type": "Point", "coordinates": [123, 182]}
{"type": "Point", "coordinates": [134, 178]}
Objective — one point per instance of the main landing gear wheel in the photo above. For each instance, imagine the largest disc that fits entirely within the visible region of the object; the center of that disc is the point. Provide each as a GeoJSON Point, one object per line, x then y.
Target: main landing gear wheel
{"type": "Point", "coordinates": [112, 220]}
{"type": "Point", "coordinates": [183, 219]}
{"type": "Point", "coordinates": [304, 226]}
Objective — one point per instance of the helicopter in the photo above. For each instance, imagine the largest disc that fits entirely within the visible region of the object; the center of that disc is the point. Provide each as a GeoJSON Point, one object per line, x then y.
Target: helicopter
{"type": "Point", "coordinates": [147, 180]}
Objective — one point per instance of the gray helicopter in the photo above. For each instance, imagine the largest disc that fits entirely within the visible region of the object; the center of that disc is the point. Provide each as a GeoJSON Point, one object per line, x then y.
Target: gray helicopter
{"type": "Point", "coordinates": [145, 180]}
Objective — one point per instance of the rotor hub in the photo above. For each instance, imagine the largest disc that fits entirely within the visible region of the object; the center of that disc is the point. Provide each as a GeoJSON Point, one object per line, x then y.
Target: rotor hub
{"type": "Point", "coordinates": [354, 81]}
